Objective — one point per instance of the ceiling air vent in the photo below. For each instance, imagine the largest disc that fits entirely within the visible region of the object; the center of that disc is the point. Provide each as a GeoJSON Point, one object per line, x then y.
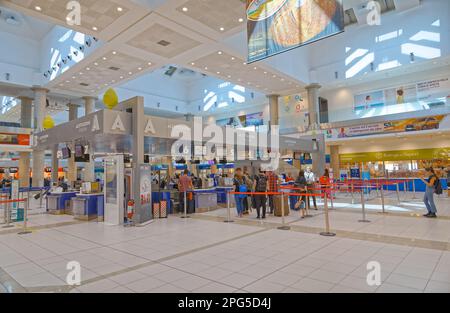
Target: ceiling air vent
{"type": "Point", "coordinates": [163, 43]}
{"type": "Point", "coordinates": [84, 84]}
{"type": "Point", "coordinates": [113, 68]}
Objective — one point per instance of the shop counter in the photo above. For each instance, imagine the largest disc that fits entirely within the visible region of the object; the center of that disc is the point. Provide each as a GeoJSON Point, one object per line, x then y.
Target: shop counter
{"type": "Point", "coordinates": [86, 206]}
{"type": "Point", "coordinates": [57, 202]}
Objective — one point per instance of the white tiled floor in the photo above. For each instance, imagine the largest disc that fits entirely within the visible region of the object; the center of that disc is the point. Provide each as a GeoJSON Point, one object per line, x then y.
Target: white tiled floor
{"type": "Point", "coordinates": [202, 255]}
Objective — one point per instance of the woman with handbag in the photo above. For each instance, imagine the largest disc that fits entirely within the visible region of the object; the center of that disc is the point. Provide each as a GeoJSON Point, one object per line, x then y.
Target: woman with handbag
{"type": "Point", "coordinates": [301, 187]}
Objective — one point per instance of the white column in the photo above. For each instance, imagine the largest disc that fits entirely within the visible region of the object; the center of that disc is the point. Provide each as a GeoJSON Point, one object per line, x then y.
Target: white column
{"type": "Point", "coordinates": [71, 164]}
{"type": "Point", "coordinates": [313, 105]}
{"type": "Point", "coordinates": [89, 168]}
{"type": "Point", "coordinates": [73, 111]}
{"type": "Point", "coordinates": [26, 106]}
{"type": "Point", "coordinates": [55, 164]}
{"type": "Point", "coordinates": [40, 100]}
{"type": "Point", "coordinates": [273, 109]}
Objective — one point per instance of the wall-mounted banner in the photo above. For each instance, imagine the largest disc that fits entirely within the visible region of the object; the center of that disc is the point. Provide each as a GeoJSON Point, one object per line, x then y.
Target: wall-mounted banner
{"type": "Point", "coordinates": [275, 26]}
{"type": "Point", "coordinates": [242, 121]}
{"type": "Point", "coordinates": [408, 125]}
{"type": "Point", "coordinates": [15, 139]}
{"type": "Point", "coordinates": [401, 155]}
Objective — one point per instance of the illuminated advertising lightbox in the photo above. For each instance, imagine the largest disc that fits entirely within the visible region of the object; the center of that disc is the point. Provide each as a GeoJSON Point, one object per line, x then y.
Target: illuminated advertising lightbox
{"type": "Point", "coordinates": [275, 26]}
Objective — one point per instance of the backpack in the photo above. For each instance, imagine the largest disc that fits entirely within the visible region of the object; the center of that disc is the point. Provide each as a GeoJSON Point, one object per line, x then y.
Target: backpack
{"type": "Point", "coordinates": [261, 185]}
{"type": "Point", "coordinates": [243, 188]}
{"type": "Point", "coordinates": [438, 187]}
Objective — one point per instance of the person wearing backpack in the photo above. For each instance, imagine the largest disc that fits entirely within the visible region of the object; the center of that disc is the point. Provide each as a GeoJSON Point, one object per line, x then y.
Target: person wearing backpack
{"type": "Point", "coordinates": [432, 185]}
{"type": "Point", "coordinates": [240, 186]}
{"type": "Point", "coordinates": [260, 185]}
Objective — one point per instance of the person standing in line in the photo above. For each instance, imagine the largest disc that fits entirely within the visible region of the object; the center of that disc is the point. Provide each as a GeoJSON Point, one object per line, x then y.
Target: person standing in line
{"type": "Point", "coordinates": [310, 181]}
{"type": "Point", "coordinates": [260, 185]}
{"type": "Point", "coordinates": [325, 183]}
{"type": "Point", "coordinates": [272, 186]}
{"type": "Point", "coordinates": [428, 199]}
{"type": "Point", "coordinates": [248, 181]}
{"type": "Point", "coordinates": [240, 186]}
{"type": "Point", "coordinates": [301, 184]}
{"type": "Point", "coordinates": [184, 185]}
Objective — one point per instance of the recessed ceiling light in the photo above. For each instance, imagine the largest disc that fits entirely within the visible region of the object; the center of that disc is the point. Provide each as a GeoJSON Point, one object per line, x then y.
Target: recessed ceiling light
{"type": "Point", "coordinates": [88, 68]}
{"type": "Point", "coordinates": [222, 29]}
{"type": "Point", "coordinates": [233, 58]}
{"type": "Point", "coordinates": [149, 63]}
{"type": "Point", "coordinates": [38, 8]}
{"type": "Point", "coordinates": [185, 9]}
{"type": "Point", "coordinates": [218, 73]}
{"type": "Point", "coordinates": [105, 58]}
{"type": "Point", "coordinates": [255, 68]}
{"type": "Point", "coordinates": [206, 68]}
{"type": "Point", "coordinates": [81, 73]}
{"type": "Point", "coordinates": [119, 9]}
{"type": "Point", "coordinates": [244, 63]}
{"type": "Point", "coordinates": [192, 63]}
{"type": "Point", "coordinates": [265, 73]}
{"type": "Point", "coordinates": [73, 77]}
{"type": "Point", "coordinates": [67, 81]}
{"type": "Point", "coordinates": [219, 53]}
{"type": "Point", "coordinates": [282, 79]}
{"type": "Point", "coordinates": [229, 76]}
{"type": "Point", "coordinates": [241, 20]}
{"type": "Point", "coordinates": [130, 73]}
{"type": "Point", "coordinates": [274, 76]}
{"type": "Point", "coordinates": [113, 81]}
{"type": "Point", "coordinates": [121, 77]}
{"type": "Point", "coordinates": [114, 52]}
{"type": "Point", "coordinates": [94, 28]}
{"type": "Point", "coordinates": [95, 63]}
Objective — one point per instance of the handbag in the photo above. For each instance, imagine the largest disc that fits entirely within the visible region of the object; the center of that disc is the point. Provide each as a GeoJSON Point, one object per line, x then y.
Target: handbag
{"type": "Point", "coordinates": [300, 205]}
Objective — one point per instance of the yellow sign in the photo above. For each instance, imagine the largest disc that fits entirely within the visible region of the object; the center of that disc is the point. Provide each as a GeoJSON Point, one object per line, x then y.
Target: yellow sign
{"type": "Point", "coordinates": [401, 155]}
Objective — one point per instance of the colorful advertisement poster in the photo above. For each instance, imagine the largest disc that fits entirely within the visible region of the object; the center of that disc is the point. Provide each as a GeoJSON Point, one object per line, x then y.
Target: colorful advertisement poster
{"type": "Point", "coordinates": [408, 125]}
{"type": "Point", "coordinates": [434, 91]}
{"type": "Point", "coordinates": [399, 155]}
{"type": "Point", "coordinates": [275, 26]}
{"type": "Point", "coordinates": [146, 187]}
{"type": "Point", "coordinates": [254, 119]}
{"type": "Point", "coordinates": [369, 100]}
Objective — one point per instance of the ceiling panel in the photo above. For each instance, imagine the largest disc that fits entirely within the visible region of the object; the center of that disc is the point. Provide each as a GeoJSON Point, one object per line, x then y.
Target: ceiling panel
{"type": "Point", "coordinates": [232, 68]}
{"type": "Point", "coordinates": [108, 69]}
{"type": "Point", "coordinates": [95, 14]}
{"type": "Point", "coordinates": [163, 41]}
{"type": "Point", "coordinates": [217, 15]}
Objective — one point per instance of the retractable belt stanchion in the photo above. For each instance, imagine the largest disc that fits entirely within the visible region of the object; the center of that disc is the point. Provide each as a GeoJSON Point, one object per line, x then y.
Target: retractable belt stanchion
{"type": "Point", "coordinates": [283, 220]}
{"type": "Point", "coordinates": [228, 220]}
{"type": "Point", "coordinates": [25, 231]}
{"type": "Point", "coordinates": [185, 206]}
{"type": "Point", "coordinates": [382, 199]}
{"type": "Point", "coordinates": [414, 188]}
{"type": "Point", "coordinates": [332, 201]}
{"type": "Point", "coordinates": [405, 189]}
{"type": "Point", "coordinates": [327, 231]}
{"type": "Point", "coordinates": [353, 197]}
{"type": "Point", "coordinates": [363, 205]}
{"type": "Point", "coordinates": [398, 192]}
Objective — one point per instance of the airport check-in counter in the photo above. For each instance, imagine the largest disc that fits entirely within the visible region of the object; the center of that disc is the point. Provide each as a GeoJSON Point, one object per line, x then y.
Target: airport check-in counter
{"type": "Point", "coordinates": [59, 202]}
{"type": "Point", "coordinates": [88, 207]}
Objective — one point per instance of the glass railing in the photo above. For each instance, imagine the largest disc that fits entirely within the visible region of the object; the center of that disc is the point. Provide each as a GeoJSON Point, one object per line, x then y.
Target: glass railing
{"type": "Point", "coordinates": [391, 111]}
